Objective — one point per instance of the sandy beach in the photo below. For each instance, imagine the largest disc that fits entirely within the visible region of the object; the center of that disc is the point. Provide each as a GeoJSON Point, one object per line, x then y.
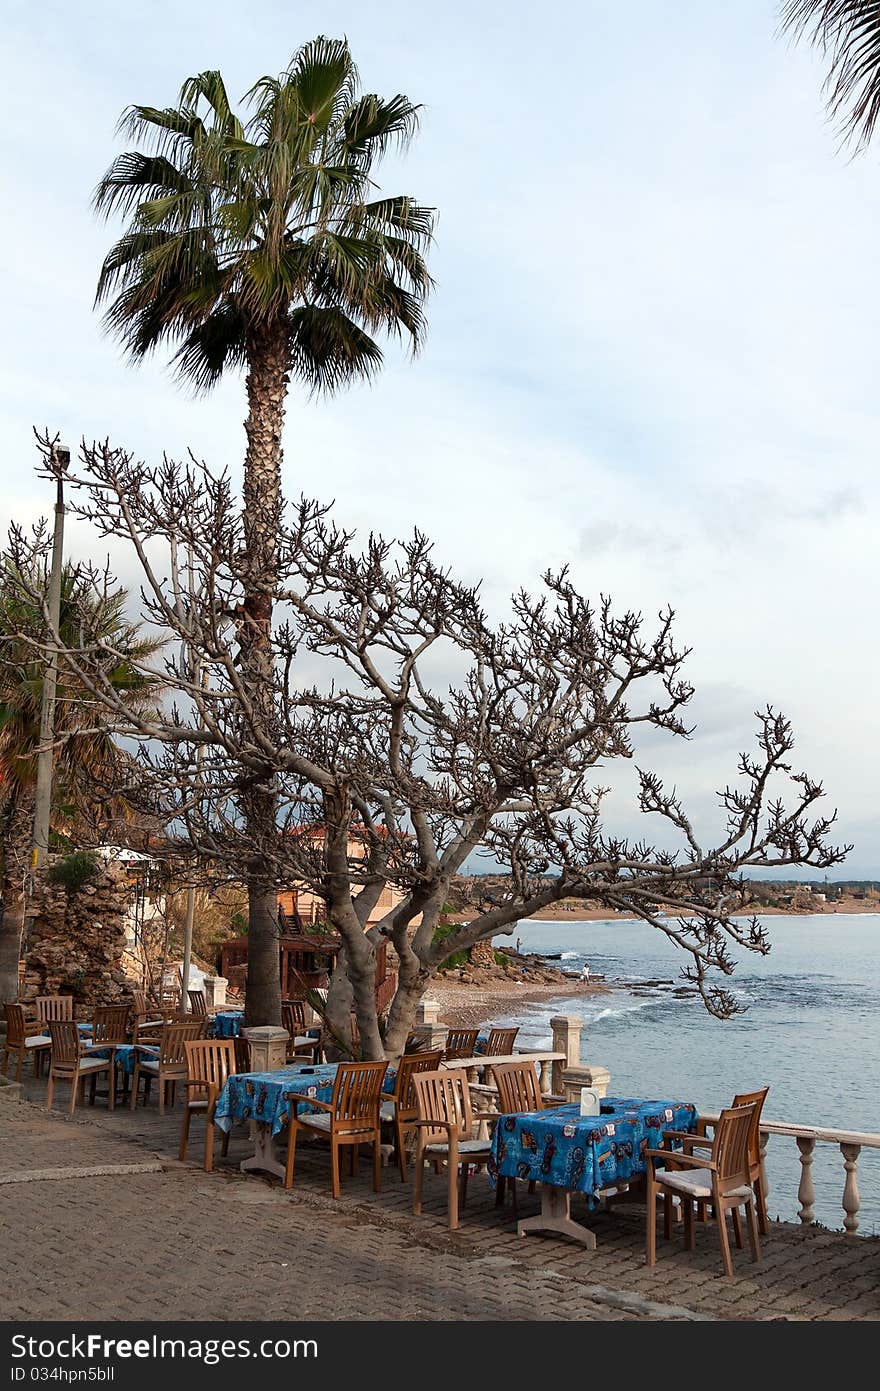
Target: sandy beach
{"type": "Point", "coordinates": [469, 1005]}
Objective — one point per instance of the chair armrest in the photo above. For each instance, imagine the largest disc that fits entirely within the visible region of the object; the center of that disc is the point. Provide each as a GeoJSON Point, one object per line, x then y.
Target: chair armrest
{"type": "Point", "coordinates": [696, 1161]}
{"type": "Point", "coordinates": [486, 1115]}
{"type": "Point", "coordinates": [449, 1126]}
{"type": "Point", "coordinates": [312, 1100]}
{"type": "Point", "coordinates": [688, 1139]}
{"type": "Point", "coordinates": [551, 1101]}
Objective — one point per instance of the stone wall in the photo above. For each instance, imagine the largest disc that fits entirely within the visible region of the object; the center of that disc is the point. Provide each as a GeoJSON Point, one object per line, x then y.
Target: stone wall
{"type": "Point", "coordinates": [77, 940]}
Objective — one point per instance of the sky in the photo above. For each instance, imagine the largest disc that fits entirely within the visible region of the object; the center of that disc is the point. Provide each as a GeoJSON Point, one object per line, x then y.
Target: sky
{"type": "Point", "coordinates": [651, 349]}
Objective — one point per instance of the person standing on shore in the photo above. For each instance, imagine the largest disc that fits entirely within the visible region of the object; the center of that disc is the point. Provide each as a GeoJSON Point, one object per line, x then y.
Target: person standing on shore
{"type": "Point", "coordinates": [585, 973]}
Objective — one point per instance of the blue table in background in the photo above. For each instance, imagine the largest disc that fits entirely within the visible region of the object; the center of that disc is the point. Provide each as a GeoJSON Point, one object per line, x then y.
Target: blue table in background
{"type": "Point", "coordinates": [226, 1023]}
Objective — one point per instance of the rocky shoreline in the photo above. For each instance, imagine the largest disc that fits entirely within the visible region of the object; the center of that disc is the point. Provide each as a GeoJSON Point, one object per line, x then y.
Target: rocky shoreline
{"type": "Point", "coordinates": [478, 993]}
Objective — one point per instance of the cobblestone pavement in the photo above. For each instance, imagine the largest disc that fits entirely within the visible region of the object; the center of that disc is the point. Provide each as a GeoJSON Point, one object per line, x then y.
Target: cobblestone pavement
{"type": "Point", "coordinates": [180, 1243]}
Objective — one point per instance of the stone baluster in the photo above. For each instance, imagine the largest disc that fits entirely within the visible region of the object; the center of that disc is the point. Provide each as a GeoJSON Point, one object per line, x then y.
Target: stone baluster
{"type": "Point", "coordinates": [215, 992]}
{"type": "Point", "coordinates": [806, 1192]}
{"type": "Point", "coordinates": [427, 1026]}
{"type": "Point", "coordinates": [566, 1039]}
{"type": "Point", "coordinates": [765, 1186]}
{"type": "Point", "coordinates": [268, 1047]}
{"type": "Point", "coordinates": [850, 1188]}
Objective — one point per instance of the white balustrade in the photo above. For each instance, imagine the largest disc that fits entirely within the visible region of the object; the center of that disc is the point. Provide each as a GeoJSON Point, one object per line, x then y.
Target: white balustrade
{"type": "Point", "coordinates": [850, 1142]}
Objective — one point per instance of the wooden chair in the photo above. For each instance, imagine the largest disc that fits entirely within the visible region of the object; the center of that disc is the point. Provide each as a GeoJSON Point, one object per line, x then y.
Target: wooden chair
{"type": "Point", "coordinates": [53, 1007]}
{"type": "Point", "coordinates": [445, 1131]}
{"type": "Point", "coordinates": [242, 1054]}
{"type": "Point", "coordinates": [20, 1042]}
{"type": "Point", "coordinates": [400, 1109]}
{"type": "Point", "coordinates": [460, 1043]}
{"type": "Point", "coordinates": [110, 1024]}
{"type": "Point", "coordinates": [70, 1061]}
{"type": "Point", "coordinates": [756, 1169]}
{"type": "Point", "coordinates": [150, 1030]}
{"type": "Point", "coordinates": [351, 1117]}
{"type": "Point", "coordinates": [209, 1062]}
{"type": "Point", "coordinates": [198, 1004]}
{"type": "Point", "coordinates": [721, 1177]}
{"type": "Point", "coordinates": [519, 1090]}
{"type": "Point", "coordinates": [169, 1067]}
{"type": "Point", "coordinates": [500, 1041]}
{"type": "Point", "coordinates": [293, 1019]}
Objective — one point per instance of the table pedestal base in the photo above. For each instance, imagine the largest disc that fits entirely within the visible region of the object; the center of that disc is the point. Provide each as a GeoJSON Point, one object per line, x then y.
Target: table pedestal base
{"type": "Point", "coordinates": [265, 1155]}
{"type": "Point", "coordinates": [555, 1216]}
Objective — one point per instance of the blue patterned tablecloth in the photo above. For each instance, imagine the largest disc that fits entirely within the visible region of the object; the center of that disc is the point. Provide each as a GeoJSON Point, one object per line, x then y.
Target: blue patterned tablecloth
{"type": "Point", "coordinates": [126, 1054]}
{"type": "Point", "coordinates": [259, 1096]}
{"type": "Point", "coordinates": [226, 1024]}
{"type": "Point", "coordinates": [585, 1153]}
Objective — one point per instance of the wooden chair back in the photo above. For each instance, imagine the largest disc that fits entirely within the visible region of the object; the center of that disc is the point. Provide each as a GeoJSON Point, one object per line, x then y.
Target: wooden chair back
{"type": "Point", "coordinates": [54, 1007]}
{"type": "Point", "coordinates": [757, 1100]}
{"type": "Point", "coordinates": [242, 1054]}
{"type": "Point", "coordinates": [443, 1096]}
{"type": "Point", "coordinates": [172, 1042]}
{"type": "Point", "coordinates": [139, 1002]}
{"type": "Point", "coordinates": [461, 1043]}
{"type": "Point", "coordinates": [518, 1088]}
{"type": "Point", "coordinates": [731, 1146]}
{"type": "Point", "coordinates": [409, 1065]}
{"type": "Point", "coordinates": [500, 1041]}
{"type": "Point", "coordinates": [110, 1024]}
{"type": "Point", "coordinates": [293, 1017]}
{"type": "Point", "coordinates": [65, 1044]}
{"type": "Point", "coordinates": [209, 1060]}
{"type": "Point", "coordinates": [357, 1091]}
{"type": "Point", "coordinates": [198, 1003]}
{"type": "Point", "coordinates": [16, 1027]}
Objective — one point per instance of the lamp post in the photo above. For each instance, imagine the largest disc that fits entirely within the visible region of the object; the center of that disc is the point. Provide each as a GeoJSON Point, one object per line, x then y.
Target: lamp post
{"type": "Point", "coordinates": [59, 463]}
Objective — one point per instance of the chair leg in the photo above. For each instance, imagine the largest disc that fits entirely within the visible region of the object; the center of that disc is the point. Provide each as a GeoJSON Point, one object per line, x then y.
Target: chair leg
{"type": "Point", "coordinates": [135, 1078]}
{"type": "Point", "coordinates": [418, 1177]}
{"type": "Point", "coordinates": [224, 1148]}
{"type": "Point", "coordinates": [111, 1083]}
{"type": "Point", "coordinates": [50, 1090]}
{"type": "Point", "coordinates": [291, 1153]}
{"type": "Point", "coordinates": [689, 1235]}
{"type": "Point", "coordinates": [761, 1203]}
{"type": "Point", "coordinates": [93, 1087]}
{"type": "Point", "coordinates": [737, 1229]}
{"type": "Point", "coordinates": [74, 1088]}
{"type": "Point", "coordinates": [377, 1162]}
{"type": "Point", "coordinates": [452, 1190]}
{"type": "Point", "coordinates": [752, 1223]}
{"type": "Point", "coordinates": [184, 1134]}
{"type": "Point", "coordinates": [465, 1171]}
{"type": "Point", "coordinates": [18, 1069]}
{"type": "Point", "coordinates": [401, 1150]}
{"type": "Point", "coordinates": [667, 1216]}
{"type": "Point", "coordinates": [335, 1176]}
{"type": "Point", "coordinates": [162, 1085]}
{"type": "Point", "coordinates": [651, 1221]}
{"type": "Point", "coordinates": [721, 1218]}
{"type": "Point", "coordinates": [209, 1147]}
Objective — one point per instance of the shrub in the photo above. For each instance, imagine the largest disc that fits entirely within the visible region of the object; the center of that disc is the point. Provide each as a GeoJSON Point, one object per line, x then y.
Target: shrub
{"type": "Point", "coordinates": [74, 870]}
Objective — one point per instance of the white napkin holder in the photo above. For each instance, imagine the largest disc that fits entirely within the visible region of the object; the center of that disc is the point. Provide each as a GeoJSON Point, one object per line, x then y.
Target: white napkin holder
{"type": "Point", "coordinates": [589, 1101]}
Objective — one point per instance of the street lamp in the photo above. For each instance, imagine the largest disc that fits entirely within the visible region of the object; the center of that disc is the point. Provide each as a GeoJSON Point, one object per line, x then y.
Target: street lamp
{"type": "Point", "coordinates": [59, 462]}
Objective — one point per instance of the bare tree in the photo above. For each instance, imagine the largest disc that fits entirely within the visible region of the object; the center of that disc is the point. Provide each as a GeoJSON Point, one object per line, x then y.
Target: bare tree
{"type": "Point", "coordinates": [387, 778]}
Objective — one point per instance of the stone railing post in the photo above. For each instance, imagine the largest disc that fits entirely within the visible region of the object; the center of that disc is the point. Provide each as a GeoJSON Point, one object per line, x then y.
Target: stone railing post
{"type": "Point", "coordinates": [806, 1192]}
{"type": "Point", "coordinates": [215, 991]}
{"type": "Point", "coordinates": [588, 1075]}
{"type": "Point", "coordinates": [851, 1200]}
{"type": "Point", "coordinates": [566, 1039]}
{"type": "Point", "coordinates": [268, 1047]}
{"type": "Point", "coordinates": [427, 1026]}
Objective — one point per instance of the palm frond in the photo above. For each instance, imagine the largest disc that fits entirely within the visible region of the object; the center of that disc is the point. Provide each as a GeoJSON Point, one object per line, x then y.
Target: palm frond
{"type": "Point", "coordinates": [848, 34]}
{"type": "Point", "coordinates": [328, 349]}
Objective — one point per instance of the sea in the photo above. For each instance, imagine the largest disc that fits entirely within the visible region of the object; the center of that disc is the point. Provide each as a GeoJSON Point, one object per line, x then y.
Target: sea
{"type": "Point", "coordinates": [809, 1028]}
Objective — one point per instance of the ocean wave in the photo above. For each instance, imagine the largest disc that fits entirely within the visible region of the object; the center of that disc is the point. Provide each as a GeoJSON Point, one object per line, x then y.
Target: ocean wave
{"type": "Point", "coordinates": [571, 956]}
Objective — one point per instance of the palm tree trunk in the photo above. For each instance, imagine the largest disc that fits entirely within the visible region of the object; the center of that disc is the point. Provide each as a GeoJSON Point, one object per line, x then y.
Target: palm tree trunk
{"type": "Point", "coordinates": [268, 372]}
{"type": "Point", "coordinates": [17, 838]}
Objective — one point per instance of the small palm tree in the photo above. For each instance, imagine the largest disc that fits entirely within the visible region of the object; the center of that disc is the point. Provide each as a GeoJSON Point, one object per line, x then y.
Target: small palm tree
{"type": "Point", "coordinates": [848, 33]}
{"type": "Point", "coordinates": [261, 244]}
{"type": "Point", "coordinates": [88, 762]}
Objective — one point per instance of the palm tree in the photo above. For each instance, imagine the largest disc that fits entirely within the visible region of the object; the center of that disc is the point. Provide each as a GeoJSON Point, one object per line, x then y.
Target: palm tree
{"type": "Point", "coordinates": [848, 33]}
{"type": "Point", "coordinates": [88, 762]}
{"type": "Point", "coordinates": [260, 244]}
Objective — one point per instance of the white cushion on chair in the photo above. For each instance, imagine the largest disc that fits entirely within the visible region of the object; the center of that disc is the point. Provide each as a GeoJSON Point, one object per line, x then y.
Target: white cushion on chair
{"type": "Point", "coordinates": [320, 1120]}
{"type": "Point", "coordinates": [93, 1064]}
{"type": "Point", "coordinates": [38, 1041]}
{"type": "Point", "coordinates": [149, 1064]}
{"type": "Point", "coordinates": [697, 1183]}
{"type": "Point", "coordinates": [464, 1147]}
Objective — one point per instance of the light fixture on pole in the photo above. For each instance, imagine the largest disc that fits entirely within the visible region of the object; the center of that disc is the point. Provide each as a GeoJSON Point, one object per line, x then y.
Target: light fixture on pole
{"type": "Point", "coordinates": [59, 463]}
